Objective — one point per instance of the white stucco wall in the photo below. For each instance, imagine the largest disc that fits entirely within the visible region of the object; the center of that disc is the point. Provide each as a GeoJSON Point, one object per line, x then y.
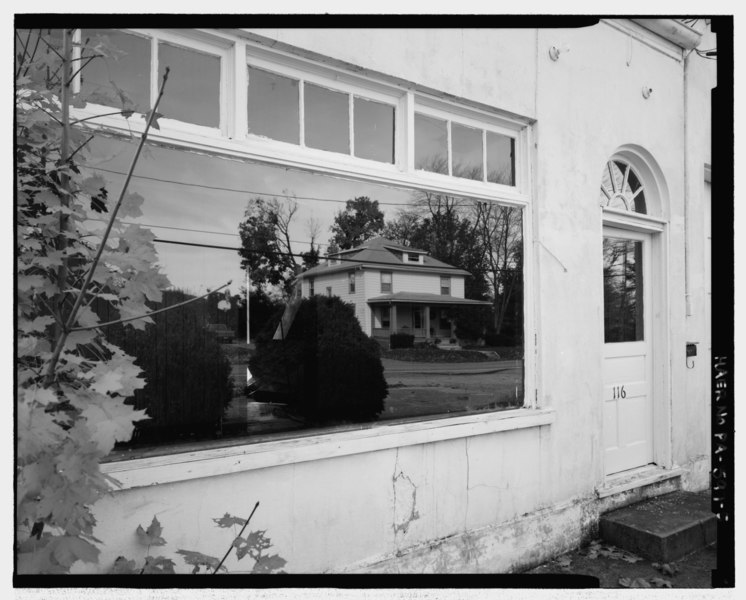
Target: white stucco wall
{"type": "Point", "coordinates": [490, 500]}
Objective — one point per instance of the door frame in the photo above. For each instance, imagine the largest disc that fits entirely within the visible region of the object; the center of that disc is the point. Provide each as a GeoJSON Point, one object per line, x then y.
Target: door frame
{"type": "Point", "coordinates": [660, 386]}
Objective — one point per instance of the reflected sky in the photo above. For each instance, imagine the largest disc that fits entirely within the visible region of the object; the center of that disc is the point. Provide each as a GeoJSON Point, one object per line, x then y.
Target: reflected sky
{"type": "Point", "coordinates": [195, 210]}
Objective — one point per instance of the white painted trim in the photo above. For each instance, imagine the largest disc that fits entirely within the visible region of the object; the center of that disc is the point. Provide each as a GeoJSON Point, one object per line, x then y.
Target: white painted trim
{"type": "Point", "coordinates": [708, 173]}
{"type": "Point", "coordinates": [632, 221]}
{"type": "Point", "coordinates": [170, 468]}
{"type": "Point", "coordinates": [265, 151]}
{"type": "Point", "coordinates": [647, 37]}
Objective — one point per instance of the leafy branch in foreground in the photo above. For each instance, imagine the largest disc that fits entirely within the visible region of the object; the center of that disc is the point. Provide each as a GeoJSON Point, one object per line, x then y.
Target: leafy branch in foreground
{"type": "Point", "coordinates": [72, 382]}
{"type": "Point", "coordinates": [253, 545]}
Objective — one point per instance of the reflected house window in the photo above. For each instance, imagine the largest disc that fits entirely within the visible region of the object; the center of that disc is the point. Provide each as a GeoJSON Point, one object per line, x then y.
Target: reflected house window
{"type": "Point", "coordinates": [329, 291]}
{"type": "Point", "coordinates": [623, 290]}
{"type": "Point", "coordinates": [445, 286]}
{"type": "Point", "coordinates": [121, 82]}
{"type": "Point", "coordinates": [351, 282]}
{"type": "Point", "coordinates": [467, 151]}
{"type": "Point", "coordinates": [311, 291]}
{"type": "Point", "coordinates": [193, 85]}
{"type": "Point", "coordinates": [386, 282]}
{"type": "Point", "coordinates": [430, 144]}
{"type": "Point", "coordinates": [327, 119]}
{"type": "Point", "coordinates": [385, 313]}
{"type": "Point", "coordinates": [374, 130]}
{"type": "Point", "coordinates": [273, 106]}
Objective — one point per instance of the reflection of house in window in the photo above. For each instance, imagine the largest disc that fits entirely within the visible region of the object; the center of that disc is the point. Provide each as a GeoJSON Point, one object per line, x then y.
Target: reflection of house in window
{"type": "Point", "coordinates": [386, 282]}
{"type": "Point", "coordinates": [425, 288]}
{"type": "Point", "coordinates": [445, 286]}
{"type": "Point", "coordinates": [311, 291]}
{"type": "Point", "coordinates": [329, 291]}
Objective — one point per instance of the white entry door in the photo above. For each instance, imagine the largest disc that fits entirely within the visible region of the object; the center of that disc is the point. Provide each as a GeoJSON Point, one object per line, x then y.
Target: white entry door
{"type": "Point", "coordinates": [627, 354]}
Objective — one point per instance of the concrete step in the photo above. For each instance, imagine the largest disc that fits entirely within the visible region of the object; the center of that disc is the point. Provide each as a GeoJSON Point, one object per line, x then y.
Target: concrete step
{"type": "Point", "coordinates": [664, 528]}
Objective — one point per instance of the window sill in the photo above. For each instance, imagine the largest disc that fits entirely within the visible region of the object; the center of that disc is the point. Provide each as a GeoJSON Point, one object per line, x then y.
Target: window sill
{"type": "Point", "coordinates": [246, 457]}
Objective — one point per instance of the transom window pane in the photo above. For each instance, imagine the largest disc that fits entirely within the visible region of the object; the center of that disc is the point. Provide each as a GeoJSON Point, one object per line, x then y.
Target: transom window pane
{"type": "Point", "coordinates": [430, 144]}
{"type": "Point", "coordinates": [193, 89]}
{"type": "Point", "coordinates": [274, 106]}
{"type": "Point", "coordinates": [374, 130]}
{"type": "Point", "coordinates": [623, 289]}
{"type": "Point", "coordinates": [121, 81]}
{"type": "Point", "coordinates": [621, 188]}
{"type": "Point", "coordinates": [500, 159]}
{"type": "Point", "coordinates": [467, 151]}
{"type": "Point", "coordinates": [327, 119]}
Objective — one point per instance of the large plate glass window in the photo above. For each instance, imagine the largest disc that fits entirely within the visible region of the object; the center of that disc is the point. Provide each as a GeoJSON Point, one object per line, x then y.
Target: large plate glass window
{"type": "Point", "coordinates": [217, 220]}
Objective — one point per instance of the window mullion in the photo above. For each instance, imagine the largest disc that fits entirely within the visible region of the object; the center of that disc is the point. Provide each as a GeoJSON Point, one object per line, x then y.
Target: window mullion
{"type": "Point", "coordinates": [302, 112]}
{"type": "Point", "coordinates": [153, 71]}
{"type": "Point", "coordinates": [236, 89]}
{"type": "Point", "coordinates": [449, 140]}
{"type": "Point", "coordinates": [351, 117]}
{"type": "Point", "coordinates": [484, 155]}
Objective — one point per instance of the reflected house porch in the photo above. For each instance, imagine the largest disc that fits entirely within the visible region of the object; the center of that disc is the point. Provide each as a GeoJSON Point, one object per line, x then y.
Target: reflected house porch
{"type": "Point", "coordinates": [423, 315]}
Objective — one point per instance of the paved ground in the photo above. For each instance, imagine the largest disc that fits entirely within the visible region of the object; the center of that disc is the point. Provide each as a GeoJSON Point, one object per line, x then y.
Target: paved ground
{"type": "Point", "coordinates": [616, 568]}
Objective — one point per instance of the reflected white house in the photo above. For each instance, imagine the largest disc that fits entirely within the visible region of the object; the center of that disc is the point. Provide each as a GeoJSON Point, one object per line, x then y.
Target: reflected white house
{"type": "Point", "coordinates": [394, 288]}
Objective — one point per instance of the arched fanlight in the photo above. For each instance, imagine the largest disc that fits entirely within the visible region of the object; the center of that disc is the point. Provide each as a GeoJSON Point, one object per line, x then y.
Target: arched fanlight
{"type": "Point", "coordinates": [621, 188]}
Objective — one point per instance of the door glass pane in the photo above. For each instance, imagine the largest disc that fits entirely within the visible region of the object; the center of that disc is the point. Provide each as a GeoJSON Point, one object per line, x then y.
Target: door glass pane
{"type": "Point", "coordinates": [193, 89]}
{"type": "Point", "coordinates": [121, 79]}
{"type": "Point", "coordinates": [467, 151]}
{"type": "Point", "coordinates": [623, 290]}
{"type": "Point", "coordinates": [500, 159]}
{"type": "Point", "coordinates": [374, 130]}
{"type": "Point", "coordinates": [430, 144]}
{"type": "Point", "coordinates": [327, 119]}
{"type": "Point", "coordinates": [273, 106]}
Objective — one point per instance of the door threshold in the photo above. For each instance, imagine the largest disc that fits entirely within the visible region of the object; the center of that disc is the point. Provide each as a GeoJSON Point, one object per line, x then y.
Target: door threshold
{"type": "Point", "coordinates": [636, 478]}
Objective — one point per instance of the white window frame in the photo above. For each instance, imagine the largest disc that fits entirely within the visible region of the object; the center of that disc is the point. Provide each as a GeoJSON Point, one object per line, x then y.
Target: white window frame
{"type": "Point", "coordinates": [234, 141]}
{"type": "Point", "coordinates": [196, 40]}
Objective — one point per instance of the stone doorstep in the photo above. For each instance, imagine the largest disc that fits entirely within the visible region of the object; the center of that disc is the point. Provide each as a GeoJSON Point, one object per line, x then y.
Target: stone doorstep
{"type": "Point", "coordinates": [664, 528]}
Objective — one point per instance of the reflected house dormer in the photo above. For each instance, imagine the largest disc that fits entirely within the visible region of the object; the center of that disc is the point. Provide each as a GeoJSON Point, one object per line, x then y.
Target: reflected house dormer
{"type": "Point", "coordinates": [394, 288]}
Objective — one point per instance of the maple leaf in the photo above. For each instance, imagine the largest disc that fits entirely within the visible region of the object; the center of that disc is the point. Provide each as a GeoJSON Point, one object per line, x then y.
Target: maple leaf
{"type": "Point", "coordinates": [197, 559]}
{"type": "Point", "coordinates": [108, 382]}
{"type": "Point", "coordinates": [229, 521]}
{"type": "Point", "coordinates": [267, 564]}
{"type": "Point", "coordinates": [114, 423]}
{"type": "Point", "coordinates": [67, 549]}
{"type": "Point", "coordinates": [159, 565]}
{"type": "Point", "coordinates": [152, 535]}
{"type": "Point", "coordinates": [122, 566]}
{"type": "Point", "coordinates": [86, 317]}
{"type": "Point", "coordinates": [130, 207]}
{"type": "Point", "coordinates": [79, 338]}
{"type": "Point", "coordinates": [157, 116]}
{"type": "Point", "coordinates": [38, 324]}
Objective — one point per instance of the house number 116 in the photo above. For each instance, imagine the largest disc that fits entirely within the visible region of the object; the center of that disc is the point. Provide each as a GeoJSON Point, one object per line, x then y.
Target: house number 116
{"type": "Point", "coordinates": [619, 392]}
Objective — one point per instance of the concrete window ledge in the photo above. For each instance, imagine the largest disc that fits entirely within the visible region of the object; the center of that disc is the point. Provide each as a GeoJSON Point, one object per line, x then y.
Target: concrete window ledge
{"type": "Point", "coordinates": [195, 464]}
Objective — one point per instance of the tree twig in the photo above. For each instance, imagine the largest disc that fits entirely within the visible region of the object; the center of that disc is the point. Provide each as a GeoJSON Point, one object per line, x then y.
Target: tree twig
{"type": "Point", "coordinates": [154, 312]}
{"type": "Point", "coordinates": [220, 564]}
{"type": "Point", "coordinates": [79, 300]}
{"type": "Point", "coordinates": [79, 148]}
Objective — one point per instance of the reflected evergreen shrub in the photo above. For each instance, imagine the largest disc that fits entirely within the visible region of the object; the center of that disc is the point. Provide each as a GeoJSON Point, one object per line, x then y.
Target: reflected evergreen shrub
{"type": "Point", "coordinates": [188, 376]}
{"type": "Point", "coordinates": [401, 340]}
{"type": "Point", "coordinates": [326, 369]}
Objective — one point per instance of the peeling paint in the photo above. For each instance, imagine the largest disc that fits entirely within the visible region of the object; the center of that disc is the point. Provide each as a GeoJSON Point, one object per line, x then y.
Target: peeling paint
{"type": "Point", "coordinates": [405, 499]}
